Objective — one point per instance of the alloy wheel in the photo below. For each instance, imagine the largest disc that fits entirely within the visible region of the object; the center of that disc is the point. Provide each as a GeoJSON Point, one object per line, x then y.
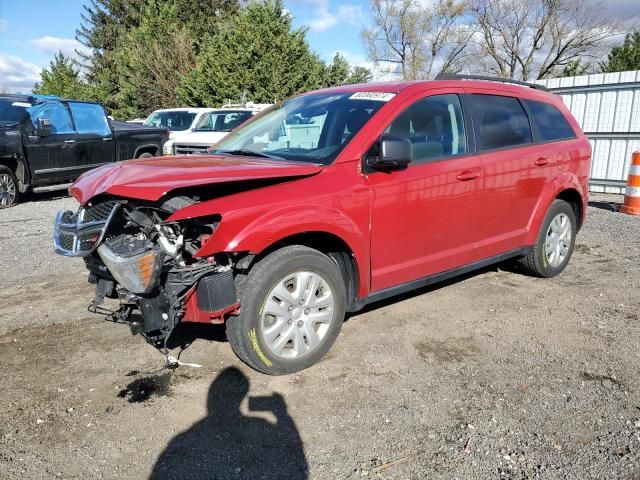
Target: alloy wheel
{"type": "Point", "coordinates": [558, 241]}
{"type": "Point", "coordinates": [7, 190]}
{"type": "Point", "coordinates": [297, 314]}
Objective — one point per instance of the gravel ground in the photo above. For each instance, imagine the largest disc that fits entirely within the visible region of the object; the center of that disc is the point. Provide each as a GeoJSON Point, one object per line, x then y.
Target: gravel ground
{"type": "Point", "coordinates": [494, 375]}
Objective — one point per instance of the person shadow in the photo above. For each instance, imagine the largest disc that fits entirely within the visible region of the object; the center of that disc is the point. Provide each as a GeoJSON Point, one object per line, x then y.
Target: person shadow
{"type": "Point", "coordinates": [229, 445]}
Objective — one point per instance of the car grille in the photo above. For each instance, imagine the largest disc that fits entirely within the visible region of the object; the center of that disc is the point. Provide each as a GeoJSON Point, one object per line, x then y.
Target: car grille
{"type": "Point", "coordinates": [99, 212]}
{"type": "Point", "coordinates": [189, 149]}
{"type": "Point", "coordinates": [78, 234]}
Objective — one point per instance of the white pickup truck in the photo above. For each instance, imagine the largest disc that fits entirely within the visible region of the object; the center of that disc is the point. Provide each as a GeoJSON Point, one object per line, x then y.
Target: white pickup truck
{"type": "Point", "coordinates": [194, 130]}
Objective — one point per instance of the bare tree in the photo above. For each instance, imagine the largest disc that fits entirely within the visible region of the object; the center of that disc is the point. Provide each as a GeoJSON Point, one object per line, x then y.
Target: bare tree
{"type": "Point", "coordinates": [152, 69]}
{"type": "Point", "coordinates": [536, 39]}
{"type": "Point", "coordinates": [167, 69]}
{"type": "Point", "coordinates": [5, 90]}
{"type": "Point", "coordinates": [417, 37]}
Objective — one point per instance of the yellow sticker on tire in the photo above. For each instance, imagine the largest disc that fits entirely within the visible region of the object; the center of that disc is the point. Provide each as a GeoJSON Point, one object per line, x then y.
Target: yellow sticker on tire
{"type": "Point", "coordinates": [257, 349]}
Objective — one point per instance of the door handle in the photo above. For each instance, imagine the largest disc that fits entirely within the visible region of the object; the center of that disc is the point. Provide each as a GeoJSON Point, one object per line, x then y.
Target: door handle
{"type": "Point", "coordinates": [107, 139]}
{"type": "Point", "coordinates": [542, 161]}
{"type": "Point", "coordinates": [468, 175]}
{"type": "Point", "coordinates": [70, 141]}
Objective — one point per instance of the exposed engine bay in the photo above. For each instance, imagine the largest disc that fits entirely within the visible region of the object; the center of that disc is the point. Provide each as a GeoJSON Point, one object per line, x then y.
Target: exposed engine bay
{"type": "Point", "coordinates": [149, 264]}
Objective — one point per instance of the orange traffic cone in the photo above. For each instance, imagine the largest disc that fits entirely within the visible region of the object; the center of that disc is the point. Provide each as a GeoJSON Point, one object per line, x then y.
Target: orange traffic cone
{"type": "Point", "coordinates": [632, 195]}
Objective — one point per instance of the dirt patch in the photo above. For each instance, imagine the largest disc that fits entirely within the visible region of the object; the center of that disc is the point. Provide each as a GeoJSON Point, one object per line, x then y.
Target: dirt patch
{"type": "Point", "coordinates": [449, 350]}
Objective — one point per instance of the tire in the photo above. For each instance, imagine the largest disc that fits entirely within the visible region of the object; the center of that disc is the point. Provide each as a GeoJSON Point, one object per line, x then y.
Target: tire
{"type": "Point", "coordinates": [278, 336]}
{"type": "Point", "coordinates": [541, 262]}
{"type": "Point", "coordinates": [9, 191]}
{"type": "Point", "coordinates": [145, 155]}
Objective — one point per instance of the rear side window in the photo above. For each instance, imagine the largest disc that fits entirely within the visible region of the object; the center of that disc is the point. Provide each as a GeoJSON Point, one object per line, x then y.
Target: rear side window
{"type": "Point", "coordinates": [550, 122]}
{"type": "Point", "coordinates": [90, 118]}
{"type": "Point", "coordinates": [500, 122]}
{"type": "Point", "coordinates": [435, 127]}
{"type": "Point", "coordinates": [221, 121]}
{"type": "Point", "coordinates": [174, 120]}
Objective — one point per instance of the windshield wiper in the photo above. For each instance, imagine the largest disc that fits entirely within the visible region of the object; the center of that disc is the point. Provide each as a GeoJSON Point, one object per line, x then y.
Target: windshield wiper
{"type": "Point", "coordinates": [248, 153]}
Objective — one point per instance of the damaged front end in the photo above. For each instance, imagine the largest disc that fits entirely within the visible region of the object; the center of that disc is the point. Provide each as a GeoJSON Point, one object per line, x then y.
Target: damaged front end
{"type": "Point", "coordinates": [135, 255]}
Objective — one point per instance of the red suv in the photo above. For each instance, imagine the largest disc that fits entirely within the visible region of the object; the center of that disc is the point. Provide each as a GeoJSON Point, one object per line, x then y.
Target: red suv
{"type": "Point", "coordinates": [327, 202]}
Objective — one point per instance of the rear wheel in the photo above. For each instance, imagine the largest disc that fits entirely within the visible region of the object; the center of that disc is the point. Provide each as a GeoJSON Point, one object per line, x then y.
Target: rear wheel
{"type": "Point", "coordinates": [9, 193]}
{"type": "Point", "coordinates": [145, 155]}
{"type": "Point", "coordinates": [292, 308]}
{"type": "Point", "coordinates": [552, 251]}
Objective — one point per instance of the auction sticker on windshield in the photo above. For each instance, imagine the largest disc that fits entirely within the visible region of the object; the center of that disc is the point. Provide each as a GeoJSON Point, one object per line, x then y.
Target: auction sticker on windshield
{"type": "Point", "coordinates": [380, 96]}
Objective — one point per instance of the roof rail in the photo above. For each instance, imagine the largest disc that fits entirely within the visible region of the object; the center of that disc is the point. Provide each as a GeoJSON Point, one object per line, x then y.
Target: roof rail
{"type": "Point", "coordinates": [18, 96]}
{"type": "Point", "coordinates": [45, 97]}
{"type": "Point", "coordinates": [451, 76]}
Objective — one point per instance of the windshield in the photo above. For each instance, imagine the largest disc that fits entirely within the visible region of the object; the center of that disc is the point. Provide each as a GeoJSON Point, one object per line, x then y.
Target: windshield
{"type": "Point", "coordinates": [175, 121]}
{"type": "Point", "coordinates": [311, 128]}
{"type": "Point", "coordinates": [221, 121]}
{"type": "Point", "coordinates": [13, 112]}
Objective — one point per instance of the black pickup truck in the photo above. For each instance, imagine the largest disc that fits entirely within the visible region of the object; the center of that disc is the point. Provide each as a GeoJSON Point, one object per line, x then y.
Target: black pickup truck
{"type": "Point", "coordinates": [46, 143]}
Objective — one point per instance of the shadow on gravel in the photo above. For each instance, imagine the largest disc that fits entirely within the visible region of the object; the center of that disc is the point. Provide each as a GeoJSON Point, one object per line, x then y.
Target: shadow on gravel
{"type": "Point", "coordinates": [228, 444]}
{"type": "Point", "coordinates": [44, 196]}
{"type": "Point", "coordinates": [611, 206]}
{"type": "Point", "coordinates": [507, 266]}
{"type": "Point", "coordinates": [185, 334]}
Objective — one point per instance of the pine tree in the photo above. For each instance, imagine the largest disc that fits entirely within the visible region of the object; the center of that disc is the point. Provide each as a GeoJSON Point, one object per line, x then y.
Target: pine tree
{"type": "Point", "coordinates": [258, 52]}
{"type": "Point", "coordinates": [575, 68]}
{"type": "Point", "coordinates": [147, 54]}
{"type": "Point", "coordinates": [339, 72]}
{"type": "Point", "coordinates": [105, 24]}
{"type": "Point", "coordinates": [152, 61]}
{"type": "Point", "coordinates": [625, 57]}
{"type": "Point", "coordinates": [360, 75]}
{"type": "Point", "coordinates": [109, 28]}
{"type": "Point", "coordinates": [61, 79]}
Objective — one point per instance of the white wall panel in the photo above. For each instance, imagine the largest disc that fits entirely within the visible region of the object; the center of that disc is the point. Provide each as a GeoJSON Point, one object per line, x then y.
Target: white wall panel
{"type": "Point", "coordinates": [622, 119]}
{"type": "Point", "coordinates": [634, 125]}
{"type": "Point", "coordinates": [578, 104]}
{"type": "Point", "coordinates": [609, 113]}
{"type": "Point", "coordinates": [626, 77]}
{"type": "Point", "coordinates": [592, 112]}
{"type": "Point", "coordinates": [600, 158]}
{"type": "Point", "coordinates": [616, 160]}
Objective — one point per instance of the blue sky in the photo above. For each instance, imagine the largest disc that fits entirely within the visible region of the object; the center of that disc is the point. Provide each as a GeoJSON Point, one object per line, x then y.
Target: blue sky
{"type": "Point", "coordinates": [32, 31]}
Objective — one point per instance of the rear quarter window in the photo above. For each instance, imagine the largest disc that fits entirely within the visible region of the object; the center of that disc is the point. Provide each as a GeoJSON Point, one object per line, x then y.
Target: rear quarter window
{"type": "Point", "coordinates": [549, 121]}
{"type": "Point", "coordinates": [499, 122]}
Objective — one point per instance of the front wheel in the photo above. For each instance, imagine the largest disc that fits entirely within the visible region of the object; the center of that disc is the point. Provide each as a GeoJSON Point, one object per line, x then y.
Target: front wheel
{"type": "Point", "coordinates": [552, 251]}
{"type": "Point", "coordinates": [9, 192]}
{"type": "Point", "coordinates": [292, 308]}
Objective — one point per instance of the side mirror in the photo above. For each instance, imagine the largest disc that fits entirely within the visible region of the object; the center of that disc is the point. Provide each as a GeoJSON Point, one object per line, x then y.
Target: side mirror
{"type": "Point", "coordinates": [44, 127]}
{"type": "Point", "coordinates": [395, 153]}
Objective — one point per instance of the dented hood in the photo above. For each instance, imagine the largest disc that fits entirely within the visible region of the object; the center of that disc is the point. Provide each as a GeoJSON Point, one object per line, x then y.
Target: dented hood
{"type": "Point", "coordinates": [151, 178]}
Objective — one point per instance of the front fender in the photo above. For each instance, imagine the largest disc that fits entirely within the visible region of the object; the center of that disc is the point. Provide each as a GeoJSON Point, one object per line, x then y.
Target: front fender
{"type": "Point", "coordinates": [233, 235]}
{"type": "Point", "coordinates": [254, 220]}
{"type": "Point", "coordinates": [563, 181]}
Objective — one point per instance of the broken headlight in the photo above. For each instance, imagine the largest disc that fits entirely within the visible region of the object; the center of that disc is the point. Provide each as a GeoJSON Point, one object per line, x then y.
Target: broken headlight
{"type": "Point", "coordinates": [134, 263]}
